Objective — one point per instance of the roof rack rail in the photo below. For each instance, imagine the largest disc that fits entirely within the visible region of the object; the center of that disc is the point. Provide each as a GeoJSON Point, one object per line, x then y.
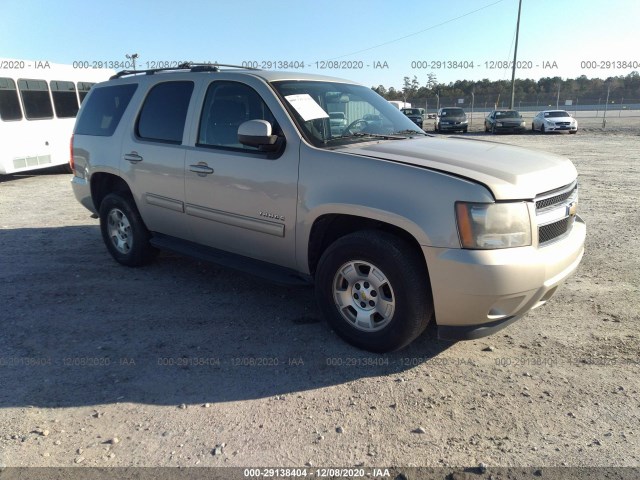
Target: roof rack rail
{"type": "Point", "coordinates": [191, 66]}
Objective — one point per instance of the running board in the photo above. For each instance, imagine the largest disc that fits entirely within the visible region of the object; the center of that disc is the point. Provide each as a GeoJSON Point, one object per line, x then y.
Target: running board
{"type": "Point", "coordinates": [268, 271]}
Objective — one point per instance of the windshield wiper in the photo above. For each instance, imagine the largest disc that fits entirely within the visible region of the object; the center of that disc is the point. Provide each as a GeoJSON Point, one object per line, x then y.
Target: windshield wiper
{"type": "Point", "coordinates": [374, 135]}
{"type": "Point", "coordinates": [409, 132]}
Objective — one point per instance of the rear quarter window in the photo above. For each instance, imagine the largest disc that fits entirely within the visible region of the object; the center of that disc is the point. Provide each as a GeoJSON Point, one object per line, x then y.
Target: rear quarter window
{"type": "Point", "coordinates": [104, 109]}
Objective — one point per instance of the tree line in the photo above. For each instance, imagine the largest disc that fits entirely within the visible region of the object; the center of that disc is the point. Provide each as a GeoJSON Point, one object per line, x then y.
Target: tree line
{"type": "Point", "coordinates": [582, 87]}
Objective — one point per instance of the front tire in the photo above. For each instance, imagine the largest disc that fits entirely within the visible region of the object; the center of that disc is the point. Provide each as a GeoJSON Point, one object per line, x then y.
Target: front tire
{"type": "Point", "coordinates": [373, 288]}
{"type": "Point", "coordinates": [542, 129]}
{"type": "Point", "coordinates": [123, 231]}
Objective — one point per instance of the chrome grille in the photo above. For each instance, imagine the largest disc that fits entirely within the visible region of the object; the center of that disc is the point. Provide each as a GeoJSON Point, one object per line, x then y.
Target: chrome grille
{"type": "Point", "coordinates": [553, 231]}
{"type": "Point", "coordinates": [553, 212]}
{"type": "Point", "coordinates": [555, 199]}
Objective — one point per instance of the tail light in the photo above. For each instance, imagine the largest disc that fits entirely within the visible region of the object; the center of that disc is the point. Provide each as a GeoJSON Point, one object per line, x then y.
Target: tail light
{"type": "Point", "coordinates": [71, 164]}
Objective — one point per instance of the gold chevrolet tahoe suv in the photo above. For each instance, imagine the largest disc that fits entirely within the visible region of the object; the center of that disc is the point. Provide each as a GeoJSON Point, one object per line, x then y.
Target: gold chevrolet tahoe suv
{"type": "Point", "coordinates": [393, 226]}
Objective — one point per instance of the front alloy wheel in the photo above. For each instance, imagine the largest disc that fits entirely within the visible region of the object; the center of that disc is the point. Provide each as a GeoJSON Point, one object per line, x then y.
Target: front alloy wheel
{"type": "Point", "coordinates": [363, 295]}
{"type": "Point", "coordinates": [373, 289]}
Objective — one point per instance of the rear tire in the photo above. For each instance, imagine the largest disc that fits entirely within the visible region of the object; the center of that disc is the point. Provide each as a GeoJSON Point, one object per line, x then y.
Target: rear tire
{"type": "Point", "coordinates": [373, 288]}
{"type": "Point", "coordinates": [123, 231]}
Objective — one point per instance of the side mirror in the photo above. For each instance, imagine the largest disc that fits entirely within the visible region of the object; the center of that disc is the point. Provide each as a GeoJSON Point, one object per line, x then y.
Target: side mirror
{"type": "Point", "coordinates": [257, 133]}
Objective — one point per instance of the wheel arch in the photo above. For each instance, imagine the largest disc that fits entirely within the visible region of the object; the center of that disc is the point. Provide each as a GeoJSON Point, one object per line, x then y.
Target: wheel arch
{"type": "Point", "coordinates": [103, 183]}
{"type": "Point", "coordinates": [329, 227]}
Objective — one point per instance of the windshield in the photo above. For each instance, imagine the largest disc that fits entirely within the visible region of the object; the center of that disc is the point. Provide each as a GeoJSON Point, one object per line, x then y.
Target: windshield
{"type": "Point", "coordinates": [411, 111]}
{"type": "Point", "coordinates": [367, 115]}
{"type": "Point", "coordinates": [508, 114]}
{"type": "Point", "coordinates": [452, 112]}
{"type": "Point", "coordinates": [560, 113]}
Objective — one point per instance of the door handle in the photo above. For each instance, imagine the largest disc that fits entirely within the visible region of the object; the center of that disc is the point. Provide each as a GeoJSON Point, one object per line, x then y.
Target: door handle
{"type": "Point", "coordinates": [132, 157]}
{"type": "Point", "coordinates": [202, 169]}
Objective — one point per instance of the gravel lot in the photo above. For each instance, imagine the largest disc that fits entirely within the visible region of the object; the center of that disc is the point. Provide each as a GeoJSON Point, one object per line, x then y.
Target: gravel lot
{"type": "Point", "coordinates": [184, 363]}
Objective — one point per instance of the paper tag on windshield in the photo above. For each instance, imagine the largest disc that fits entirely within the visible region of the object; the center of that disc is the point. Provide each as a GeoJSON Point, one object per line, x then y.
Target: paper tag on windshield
{"type": "Point", "coordinates": [306, 106]}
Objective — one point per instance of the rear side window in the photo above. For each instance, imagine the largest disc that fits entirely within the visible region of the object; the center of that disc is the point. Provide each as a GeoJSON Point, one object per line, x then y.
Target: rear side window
{"type": "Point", "coordinates": [35, 98]}
{"type": "Point", "coordinates": [105, 107]}
{"type": "Point", "coordinates": [9, 102]}
{"type": "Point", "coordinates": [65, 100]}
{"type": "Point", "coordinates": [164, 112]}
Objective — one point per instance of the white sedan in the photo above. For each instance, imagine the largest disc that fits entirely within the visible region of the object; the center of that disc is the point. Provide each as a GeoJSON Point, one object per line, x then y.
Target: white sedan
{"type": "Point", "coordinates": [554, 121]}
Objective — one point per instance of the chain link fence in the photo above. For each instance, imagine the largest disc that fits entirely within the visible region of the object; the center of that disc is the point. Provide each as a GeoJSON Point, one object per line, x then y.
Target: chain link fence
{"type": "Point", "coordinates": [579, 107]}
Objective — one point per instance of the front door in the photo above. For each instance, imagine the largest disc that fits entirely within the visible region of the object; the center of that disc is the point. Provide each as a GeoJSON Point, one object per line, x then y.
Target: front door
{"type": "Point", "coordinates": [238, 198]}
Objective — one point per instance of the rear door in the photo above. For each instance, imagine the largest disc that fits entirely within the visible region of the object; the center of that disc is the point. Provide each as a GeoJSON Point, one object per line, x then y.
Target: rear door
{"type": "Point", "coordinates": [153, 156]}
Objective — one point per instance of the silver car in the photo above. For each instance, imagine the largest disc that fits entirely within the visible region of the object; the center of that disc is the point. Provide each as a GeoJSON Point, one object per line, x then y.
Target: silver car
{"type": "Point", "coordinates": [395, 228]}
{"type": "Point", "coordinates": [554, 121]}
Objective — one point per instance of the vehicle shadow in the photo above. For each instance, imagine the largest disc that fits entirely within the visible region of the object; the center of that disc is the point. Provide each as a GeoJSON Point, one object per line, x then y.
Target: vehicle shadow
{"type": "Point", "coordinates": [57, 170]}
{"type": "Point", "coordinates": [79, 329]}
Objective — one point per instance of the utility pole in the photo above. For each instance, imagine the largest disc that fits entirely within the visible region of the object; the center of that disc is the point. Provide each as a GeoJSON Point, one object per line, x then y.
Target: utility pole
{"type": "Point", "coordinates": [515, 57]}
{"type": "Point", "coordinates": [558, 97]}
{"type": "Point", "coordinates": [604, 114]}
{"type": "Point", "coordinates": [132, 57]}
{"type": "Point", "coordinates": [473, 98]}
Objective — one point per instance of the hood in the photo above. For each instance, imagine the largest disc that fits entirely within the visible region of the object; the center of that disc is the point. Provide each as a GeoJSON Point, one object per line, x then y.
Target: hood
{"type": "Point", "coordinates": [511, 173]}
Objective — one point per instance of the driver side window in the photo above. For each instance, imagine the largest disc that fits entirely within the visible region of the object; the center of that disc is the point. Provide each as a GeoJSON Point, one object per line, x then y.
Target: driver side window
{"type": "Point", "coordinates": [227, 105]}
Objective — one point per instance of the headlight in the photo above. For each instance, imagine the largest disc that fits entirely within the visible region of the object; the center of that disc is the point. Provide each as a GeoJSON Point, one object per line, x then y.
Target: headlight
{"type": "Point", "coordinates": [498, 124]}
{"type": "Point", "coordinates": [493, 225]}
{"type": "Point", "coordinates": [523, 124]}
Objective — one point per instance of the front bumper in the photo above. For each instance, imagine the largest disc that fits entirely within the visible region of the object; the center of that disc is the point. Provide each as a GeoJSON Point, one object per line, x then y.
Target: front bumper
{"type": "Point", "coordinates": [478, 292]}
{"type": "Point", "coordinates": [560, 128]}
{"type": "Point", "coordinates": [510, 129]}
{"type": "Point", "coordinates": [459, 126]}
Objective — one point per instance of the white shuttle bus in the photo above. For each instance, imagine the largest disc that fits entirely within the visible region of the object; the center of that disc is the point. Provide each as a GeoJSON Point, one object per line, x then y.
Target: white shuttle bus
{"type": "Point", "coordinates": [38, 105]}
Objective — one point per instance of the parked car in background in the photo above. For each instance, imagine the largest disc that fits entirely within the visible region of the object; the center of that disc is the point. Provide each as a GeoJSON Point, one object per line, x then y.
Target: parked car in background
{"type": "Point", "coordinates": [415, 115]}
{"type": "Point", "coordinates": [504, 121]}
{"type": "Point", "coordinates": [337, 122]}
{"type": "Point", "coordinates": [554, 121]}
{"type": "Point", "coordinates": [450, 119]}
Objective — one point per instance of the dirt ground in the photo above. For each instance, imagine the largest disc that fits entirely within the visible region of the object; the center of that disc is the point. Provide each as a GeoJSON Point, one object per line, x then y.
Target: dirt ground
{"type": "Point", "coordinates": [184, 363]}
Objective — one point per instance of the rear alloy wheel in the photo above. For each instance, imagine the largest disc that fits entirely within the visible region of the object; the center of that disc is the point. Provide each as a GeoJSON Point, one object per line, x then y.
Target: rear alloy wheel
{"type": "Point", "coordinates": [374, 290]}
{"type": "Point", "coordinates": [124, 232]}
